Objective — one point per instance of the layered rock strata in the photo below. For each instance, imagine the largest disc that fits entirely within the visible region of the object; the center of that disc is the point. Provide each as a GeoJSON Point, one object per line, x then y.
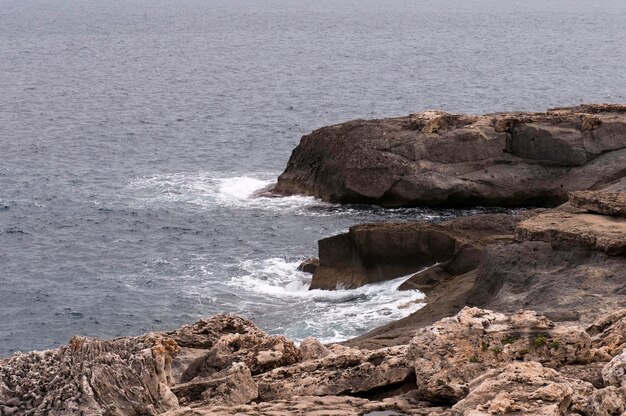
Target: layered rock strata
{"type": "Point", "coordinates": [478, 362]}
{"type": "Point", "coordinates": [435, 158]}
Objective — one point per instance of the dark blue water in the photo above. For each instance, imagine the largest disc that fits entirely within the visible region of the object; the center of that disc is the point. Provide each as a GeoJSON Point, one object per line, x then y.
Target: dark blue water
{"type": "Point", "coordinates": [133, 132]}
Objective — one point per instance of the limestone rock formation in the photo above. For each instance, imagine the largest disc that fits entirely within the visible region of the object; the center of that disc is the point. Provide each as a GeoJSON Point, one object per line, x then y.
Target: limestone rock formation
{"type": "Point", "coordinates": [260, 352]}
{"type": "Point", "coordinates": [440, 159]}
{"type": "Point", "coordinates": [598, 232]}
{"type": "Point", "coordinates": [353, 371]}
{"type": "Point", "coordinates": [454, 351]}
{"type": "Point", "coordinates": [375, 252]}
{"type": "Point", "coordinates": [607, 203]}
{"type": "Point", "coordinates": [524, 388]}
{"type": "Point", "coordinates": [204, 333]}
{"type": "Point", "coordinates": [91, 377]}
{"type": "Point", "coordinates": [231, 386]}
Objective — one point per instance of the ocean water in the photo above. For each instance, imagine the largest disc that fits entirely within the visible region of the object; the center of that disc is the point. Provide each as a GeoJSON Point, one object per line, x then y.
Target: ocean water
{"type": "Point", "coordinates": [133, 133]}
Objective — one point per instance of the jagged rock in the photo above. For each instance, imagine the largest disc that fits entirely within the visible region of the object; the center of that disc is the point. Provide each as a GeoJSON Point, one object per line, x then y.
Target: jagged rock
{"type": "Point", "coordinates": [92, 377]}
{"type": "Point", "coordinates": [370, 253]}
{"type": "Point", "coordinates": [524, 388]}
{"type": "Point", "coordinates": [614, 373]}
{"type": "Point", "coordinates": [260, 352]}
{"type": "Point", "coordinates": [312, 349]}
{"type": "Point", "coordinates": [610, 333]}
{"type": "Point", "coordinates": [607, 203]}
{"type": "Point", "coordinates": [309, 265]}
{"type": "Point", "coordinates": [598, 232]}
{"type": "Point", "coordinates": [609, 401]}
{"type": "Point", "coordinates": [205, 332]}
{"type": "Point", "coordinates": [452, 352]}
{"type": "Point", "coordinates": [436, 158]}
{"type": "Point", "coordinates": [229, 387]}
{"type": "Point", "coordinates": [183, 360]}
{"type": "Point", "coordinates": [352, 371]}
{"type": "Point", "coordinates": [320, 406]}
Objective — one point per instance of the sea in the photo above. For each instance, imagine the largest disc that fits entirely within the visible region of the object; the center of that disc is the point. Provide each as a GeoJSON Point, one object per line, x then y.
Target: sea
{"type": "Point", "coordinates": [133, 134]}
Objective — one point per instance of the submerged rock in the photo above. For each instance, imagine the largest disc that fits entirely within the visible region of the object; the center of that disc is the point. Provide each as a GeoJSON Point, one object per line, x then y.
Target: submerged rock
{"type": "Point", "coordinates": [440, 159]}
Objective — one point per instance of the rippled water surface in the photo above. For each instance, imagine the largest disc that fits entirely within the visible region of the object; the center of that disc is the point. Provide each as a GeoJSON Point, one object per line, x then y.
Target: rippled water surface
{"type": "Point", "coordinates": [132, 134]}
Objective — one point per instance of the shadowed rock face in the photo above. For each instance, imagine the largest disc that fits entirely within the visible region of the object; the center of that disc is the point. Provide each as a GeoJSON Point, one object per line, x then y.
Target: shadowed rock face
{"type": "Point", "coordinates": [370, 253]}
{"type": "Point", "coordinates": [439, 159]}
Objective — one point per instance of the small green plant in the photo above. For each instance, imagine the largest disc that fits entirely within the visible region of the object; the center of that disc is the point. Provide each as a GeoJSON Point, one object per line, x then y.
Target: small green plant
{"type": "Point", "coordinates": [474, 359]}
{"type": "Point", "coordinates": [555, 345]}
{"type": "Point", "coordinates": [497, 350]}
{"type": "Point", "coordinates": [485, 346]}
{"type": "Point", "coordinates": [540, 341]}
{"type": "Point", "coordinates": [524, 351]}
{"type": "Point", "coordinates": [509, 339]}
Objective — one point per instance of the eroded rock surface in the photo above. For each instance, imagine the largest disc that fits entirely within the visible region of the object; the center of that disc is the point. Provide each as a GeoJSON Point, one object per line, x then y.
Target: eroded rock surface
{"type": "Point", "coordinates": [91, 377]}
{"type": "Point", "coordinates": [442, 159]}
{"type": "Point", "coordinates": [607, 203]}
{"type": "Point", "coordinates": [452, 352]}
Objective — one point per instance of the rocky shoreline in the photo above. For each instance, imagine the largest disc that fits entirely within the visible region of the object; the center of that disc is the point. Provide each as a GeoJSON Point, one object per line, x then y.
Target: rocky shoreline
{"type": "Point", "coordinates": [525, 313]}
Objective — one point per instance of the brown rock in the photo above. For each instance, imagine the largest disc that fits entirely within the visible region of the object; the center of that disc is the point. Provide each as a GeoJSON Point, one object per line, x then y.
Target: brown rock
{"type": "Point", "coordinates": [452, 352]}
{"type": "Point", "coordinates": [436, 158]}
{"type": "Point", "coordinates": [229, 387]}
{"type": "Point", "coordinates": [312, 349]}
{"type": "Point", "coordinates": [371, 253]}
{"type": "Point", "coordinates": [260, 352]}
{"type": "Point", "coordinates": [115, 377]}
{"type": "Point", "coordinates": [353, 371]}
{"type": "Point", "coordinates": [309, 265]}
{"type": "Point", "coordinates": [607, 203]}
{"type": "Point", "coordinates": [597, 232]}
{"type": "Point", "coordinates": [524, 388]}
{"type": "Point", "coordinates": [205, 332]}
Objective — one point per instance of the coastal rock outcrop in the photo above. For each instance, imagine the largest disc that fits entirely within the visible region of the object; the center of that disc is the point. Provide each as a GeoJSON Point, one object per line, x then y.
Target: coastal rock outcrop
{"type": "Point", "coordinates": [454, 351]}
{"type": "Point", "coordinates": [91, 377]}
{"type": "Point", "coordinates": [435, 158]}
{"type": "Point", "coordinates": [370, 253]}
{"type": "Point", "coordinates": [607, 203]}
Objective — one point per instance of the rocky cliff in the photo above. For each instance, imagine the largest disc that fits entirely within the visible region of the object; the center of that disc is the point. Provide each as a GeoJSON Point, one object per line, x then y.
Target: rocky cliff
{"type": "Point", "coordinates": [438, 159]}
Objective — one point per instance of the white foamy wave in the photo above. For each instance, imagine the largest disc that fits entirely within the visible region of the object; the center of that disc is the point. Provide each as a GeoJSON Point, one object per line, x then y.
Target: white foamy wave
{"type": "Point", "coordinates": [212, 190]}
{"type": "Point", "coordinates": [331, 316]}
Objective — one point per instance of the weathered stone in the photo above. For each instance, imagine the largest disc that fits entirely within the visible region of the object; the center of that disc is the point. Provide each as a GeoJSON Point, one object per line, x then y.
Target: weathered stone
{"type": "Point", "coordinates": [607, 203]}
{"type": "Point", "coordinates": [312, 349]}
{"type": "Point", "coordinates": [436, 158]}
{"type": "Point", "coordinates": [370, 253]}
{"type": "Point", "coordinates": [452, 352]}
{"type": "Point", "coordinates": [599, 232]}
{"type": "Point", "coordinates": [352, 371]}
{"type": "Point", "coordinates": [205, 332]}
{"type": "Point", "coordinates": [309, 265]}
{"type": "Point", "coordinates": [92, 377]}
{"type": "Point", "coordinates": [614, 372]}
{"type": "Point", "coordinates": [524, 388]}
{"type": "Point", "coordinates": [229, 387]}
{"type": "Point", "coordinates": [260, 352]}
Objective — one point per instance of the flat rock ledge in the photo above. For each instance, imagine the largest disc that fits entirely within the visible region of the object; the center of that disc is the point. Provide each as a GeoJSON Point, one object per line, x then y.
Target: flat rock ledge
{"type": "Point", "coordinates": [478, 362]}
{"type": "Point", "coordinates": [434, 158]}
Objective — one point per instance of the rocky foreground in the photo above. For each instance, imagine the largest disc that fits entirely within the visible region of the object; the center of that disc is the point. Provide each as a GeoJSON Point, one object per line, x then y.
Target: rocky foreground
{"type": "Point", "coordinates": [435, 158]}
{"type": "Point", "coordinates": [526, 314]}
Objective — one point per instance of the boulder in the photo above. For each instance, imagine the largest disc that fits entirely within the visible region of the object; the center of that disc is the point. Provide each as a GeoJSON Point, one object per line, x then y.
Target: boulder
{"type": "Point", "coordinates": [91, 377]}
{"type": "Point", "coordinates": [229, 387]}
{"type": "Point", "coordinates": [260, 352]}
{"type": "Point", "coordinates": [349, 372]}
{"type": "Point", "coordinates": [438, 159]}
{"type": "Point", "coordinates": [203, 333]}
{"type": "Point", "coordinates": [449, 354]}
{"type": "Point", "coordinates": [309, 265]}
{"type": "Point", "coordinates": [312, 349]}
{"type": "Point", "coordinates": [525, 388]}
{"type": "Point", "coordinates": [607, 203]}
